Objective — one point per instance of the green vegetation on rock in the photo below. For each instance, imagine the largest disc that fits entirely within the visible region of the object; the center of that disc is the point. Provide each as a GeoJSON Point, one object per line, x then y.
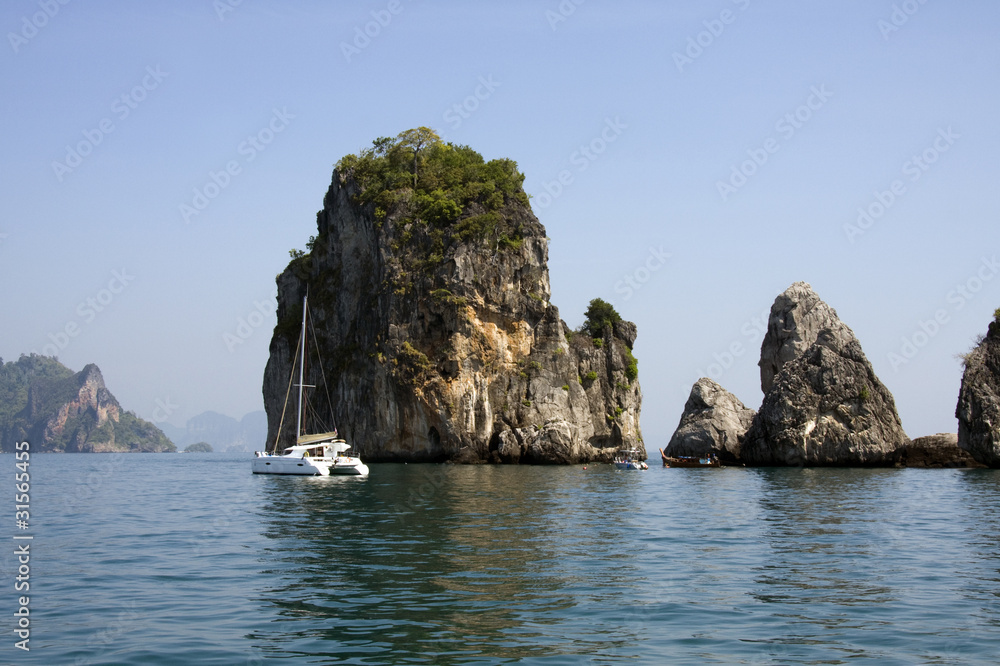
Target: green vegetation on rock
{"type": "Point", "coordinates": [449, 191]}
{"type": "Point", "coordinates": [632, 369]}
{"type": "Point", "coordinates": [599, 315]}
{"type": "Point", "coordinates": [46, 403]}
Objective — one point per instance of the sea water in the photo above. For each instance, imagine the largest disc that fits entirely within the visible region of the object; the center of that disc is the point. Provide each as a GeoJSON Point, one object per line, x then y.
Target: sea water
{"type": "Point", "coordinates": [191, 559]}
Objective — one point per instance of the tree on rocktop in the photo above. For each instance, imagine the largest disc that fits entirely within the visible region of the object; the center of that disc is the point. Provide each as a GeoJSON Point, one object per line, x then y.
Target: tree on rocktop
{"type": "Point", "coordinates": [599, 314]}
{"type": "Point", "coordinates": [416, 140]}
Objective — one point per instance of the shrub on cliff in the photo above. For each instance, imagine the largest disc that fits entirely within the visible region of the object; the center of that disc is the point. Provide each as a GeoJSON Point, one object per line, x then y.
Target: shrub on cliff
{"type": "Point", "coordinates": [599, 314]}
{"type": "Point", "coordinates": [442, 183]}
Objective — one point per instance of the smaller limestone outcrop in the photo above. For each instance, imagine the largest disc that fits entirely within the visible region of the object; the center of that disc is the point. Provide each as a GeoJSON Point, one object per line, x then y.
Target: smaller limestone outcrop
{"type": "Point", "coordinates": [978, 409]}
{"type": "Point", "coordinates": [940, 450]}
{"type": "Point", "coordinates": [797, 316]}
{"type": "Point", "coordinates": [824, 405]}
{"type": "Point", "coordinates": [714, 421]}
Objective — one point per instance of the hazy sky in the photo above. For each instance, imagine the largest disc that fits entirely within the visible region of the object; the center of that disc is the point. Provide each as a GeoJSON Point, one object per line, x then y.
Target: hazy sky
{"type": "Point", "coordinates": [689, 160]}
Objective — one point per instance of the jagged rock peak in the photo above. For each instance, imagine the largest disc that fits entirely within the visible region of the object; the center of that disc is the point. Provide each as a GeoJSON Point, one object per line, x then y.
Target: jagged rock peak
{"type": "Point", "coordinates": [714, 421]}
{"type": "Point", "coordinates": [826, 407]}
{"type": "Point", "coordinates": [797, 316]}
{"type": "Point", "coordinates": [66, 411]}
{"type": "Point", "coordinates": [429, 291]}
{"type": "Point", "coordinates": [978, 409]}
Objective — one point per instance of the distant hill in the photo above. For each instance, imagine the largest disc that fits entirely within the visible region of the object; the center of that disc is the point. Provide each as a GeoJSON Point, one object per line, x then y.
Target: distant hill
{"type": "Point", "coordinates": [200, 447]}
{"type": "Point", "coordinates": [45, 403]}
{"type": "Point", "coordinates": [223, 432]}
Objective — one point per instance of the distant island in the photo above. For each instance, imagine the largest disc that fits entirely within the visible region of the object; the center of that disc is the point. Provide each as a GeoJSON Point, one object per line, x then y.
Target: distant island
{"type": "Point", "coordinates": [199, 447]}
{"type": "Point", "coordinates": [58, 410]}
{"type": "Point", "coordinates": [223, 433]}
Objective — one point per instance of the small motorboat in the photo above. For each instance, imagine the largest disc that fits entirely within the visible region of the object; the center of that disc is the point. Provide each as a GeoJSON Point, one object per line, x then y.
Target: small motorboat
{"type": "Point", "coordinates": [711, 460]}
{"type": "Point", "coordinates": [629, 459]}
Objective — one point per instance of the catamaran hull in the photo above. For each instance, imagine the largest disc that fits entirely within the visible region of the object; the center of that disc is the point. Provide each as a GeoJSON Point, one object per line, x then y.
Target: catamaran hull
{"type": "Point", "coordinates": [359, 469]}
{"type": "Point", "coordinates": [288, 466]}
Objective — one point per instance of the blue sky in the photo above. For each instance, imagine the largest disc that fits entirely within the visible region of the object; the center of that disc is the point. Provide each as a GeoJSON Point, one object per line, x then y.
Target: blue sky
{"type": "Point", "coordinates": [710, 154]}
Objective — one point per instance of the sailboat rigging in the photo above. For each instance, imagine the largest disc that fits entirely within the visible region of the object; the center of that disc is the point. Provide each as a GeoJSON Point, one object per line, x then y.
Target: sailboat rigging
{"type": "Point", "coordinates": [318, 454]}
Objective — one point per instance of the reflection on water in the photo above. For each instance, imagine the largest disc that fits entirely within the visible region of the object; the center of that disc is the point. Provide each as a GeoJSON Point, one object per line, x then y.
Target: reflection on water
{"type": "Point", "coordinates": [442, 563]}
{"type": "Point", "coordinates": [869, 554]}
{"type": "Point", "coordinates": [826, 531]}
{"type": "Point", "coordinates": [182, 560]}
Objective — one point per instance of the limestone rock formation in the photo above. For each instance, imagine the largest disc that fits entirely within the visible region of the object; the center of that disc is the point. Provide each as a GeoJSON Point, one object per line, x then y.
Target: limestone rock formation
{"type": "Point", "coordinates": [940, 450]}
{"type": "Point", "coordinates": [978, 409]}
{"type": "Point", "coordinates": [797, 316]}
{"type": "Point", "coordinates": [429, 291]}
{"type": "Point", "coordinates": [714, 421]}
{"type": "Point", "coordinates": [824, 406]}
{"type": "Point", "coordinates": [56, 410]}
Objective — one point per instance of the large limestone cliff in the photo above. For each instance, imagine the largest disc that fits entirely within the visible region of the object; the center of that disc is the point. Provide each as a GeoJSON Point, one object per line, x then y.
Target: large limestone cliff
{"type": "Point", "coordinates": [978, 409]}
{"type": "Point", "coordinates": [431, 317]}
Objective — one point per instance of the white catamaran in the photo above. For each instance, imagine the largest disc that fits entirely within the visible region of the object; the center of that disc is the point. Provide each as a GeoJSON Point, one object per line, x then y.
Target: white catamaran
{"type": "Point", "coordinates": [321, 454]}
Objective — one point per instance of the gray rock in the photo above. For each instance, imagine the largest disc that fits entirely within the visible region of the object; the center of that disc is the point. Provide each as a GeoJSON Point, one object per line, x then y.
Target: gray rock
{"type": "Point", "coordinates": [462, 358]}
{"type": "Point", "coordinates": [826, 407]}
{"type": "Point", "coordinates": [940, 450]}
{"type": "Point", "coordinates": [714, 421]}
{"type": "Point", "coordinates": [797, 317]}
{"type": "Point", "coordinates": [978, 409]}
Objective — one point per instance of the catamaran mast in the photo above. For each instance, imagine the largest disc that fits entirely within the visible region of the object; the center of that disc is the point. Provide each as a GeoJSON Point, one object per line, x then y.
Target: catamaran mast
{"type": "Point", "coordinates": [302, 365]}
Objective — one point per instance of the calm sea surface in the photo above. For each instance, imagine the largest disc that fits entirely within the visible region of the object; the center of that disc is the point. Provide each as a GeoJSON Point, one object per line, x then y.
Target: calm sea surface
{"type": "Point", "coordinates": [190, 559]}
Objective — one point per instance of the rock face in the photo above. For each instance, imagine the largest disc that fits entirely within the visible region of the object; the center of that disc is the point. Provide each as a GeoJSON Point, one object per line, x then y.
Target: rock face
{"type": "Point", "coordinates": [825, 406]}
{"type": "Point", "coordinates": [443, 345]}
{"type": "Point", "coordinates": [940, 450]}
{"type": "Point", "coordinates": [797, 317]}
{"type": "Point", "coordinates": [57, 410]}
{"type": "Point", "coordinates": [978, 409]}
{"type": "Point", "coordinates": [714, 421]}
